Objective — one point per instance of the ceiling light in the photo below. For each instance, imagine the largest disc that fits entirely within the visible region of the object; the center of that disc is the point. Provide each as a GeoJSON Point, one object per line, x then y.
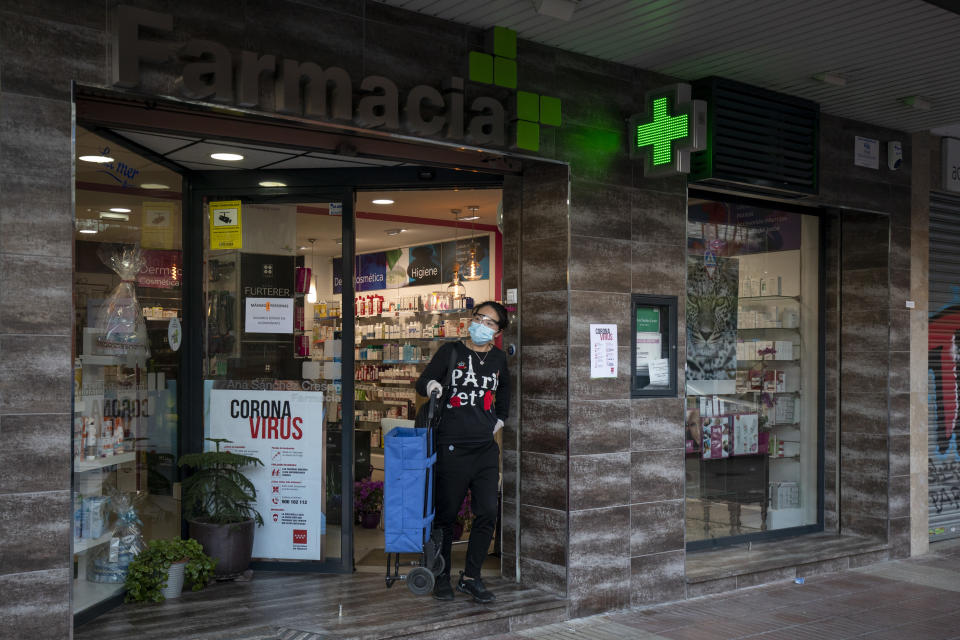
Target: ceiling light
{"type": "Point", "coordinates": [271, 183]}
{"type": "Point", "coordinates": [833, 79]}
{"type": "Point", "coordinates": [395, 232]}
{"type": "Point", "coordinates": [474, 213]}
{"type": "Point", "coordinates": [228, 157]}
{"type": "Point", "coordinates": [88, 230]}
{"type": "Point", "coordinates": [154, 185]}
{"type": "Point", "coordinates": [302, 248]}
{"type": "Point", "coordinates": [559, 9]}
{"type": "Point", "coordinates": [85, 225]}
{"type": "Point", "coordinates": [120, 209]}
{"type": "Point", "coordinates": [339, 240]}
{"type": "Point", "coordinates": [111, 215]}
{"type": "Point", "coordinates": [468, 218]}
{"type": "Point", "coordinates": [382, 201]}
{"type": "Point", "coordinates": [97, 160]}
{"type": "Point", "coordinates": [917, 103]}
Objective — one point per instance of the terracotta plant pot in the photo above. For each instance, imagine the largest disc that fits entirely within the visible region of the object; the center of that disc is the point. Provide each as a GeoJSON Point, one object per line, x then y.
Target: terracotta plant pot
{"type": "Point", "coordinates": [231, 545]}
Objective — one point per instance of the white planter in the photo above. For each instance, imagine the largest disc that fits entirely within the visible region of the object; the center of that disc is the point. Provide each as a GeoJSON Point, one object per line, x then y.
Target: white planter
{"type": "Point", "coordinates": [174, 580]}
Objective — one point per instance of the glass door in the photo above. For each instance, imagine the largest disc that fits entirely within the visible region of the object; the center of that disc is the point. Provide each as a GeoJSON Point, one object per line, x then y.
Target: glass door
{"type": "Point", "coordinates": [272, 376]}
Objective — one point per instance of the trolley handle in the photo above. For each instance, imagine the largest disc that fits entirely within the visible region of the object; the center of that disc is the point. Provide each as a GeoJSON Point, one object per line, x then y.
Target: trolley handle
{"type": "Point", "coordinates": [431, 411]}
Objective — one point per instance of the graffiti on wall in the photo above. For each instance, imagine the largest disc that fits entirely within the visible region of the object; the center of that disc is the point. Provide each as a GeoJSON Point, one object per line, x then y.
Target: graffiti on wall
{"type": "Point", "coordinates": [943, 462]}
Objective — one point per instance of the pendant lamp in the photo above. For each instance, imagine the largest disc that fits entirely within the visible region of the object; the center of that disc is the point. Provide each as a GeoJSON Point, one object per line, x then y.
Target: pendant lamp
{"type": "Point", "coordinates": [455, 289]}
{"type": "Point", "coordinates": [472, 270]}
{"type": "Point", "coordinates": [312, 296]}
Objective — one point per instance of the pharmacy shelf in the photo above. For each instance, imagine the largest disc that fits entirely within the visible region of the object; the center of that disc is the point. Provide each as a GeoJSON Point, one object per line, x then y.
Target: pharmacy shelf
{"type": "Point", "coordinates": [81, 545]}
{"type": "Point", "coordinates": [86, 594]}
{"type": "Point", "coordinates": [81, 466]}
{"type": "Point", "coordinates": [768, 298]}
{"type": "Point", "coordinates": [101, 360]}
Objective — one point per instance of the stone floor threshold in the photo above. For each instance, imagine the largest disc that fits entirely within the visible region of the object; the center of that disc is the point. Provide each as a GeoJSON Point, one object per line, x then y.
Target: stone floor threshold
{"type": "Point", "coordinates": [729, 568]}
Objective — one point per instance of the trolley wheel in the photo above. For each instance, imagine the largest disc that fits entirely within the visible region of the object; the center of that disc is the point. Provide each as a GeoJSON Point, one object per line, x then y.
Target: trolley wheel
{"type": "Point", "coordinates": [420, 581]}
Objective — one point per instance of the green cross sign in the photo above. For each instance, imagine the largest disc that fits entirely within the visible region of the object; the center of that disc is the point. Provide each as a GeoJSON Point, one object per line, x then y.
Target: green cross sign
{"type": "Point", "coordinates": [665, 140]}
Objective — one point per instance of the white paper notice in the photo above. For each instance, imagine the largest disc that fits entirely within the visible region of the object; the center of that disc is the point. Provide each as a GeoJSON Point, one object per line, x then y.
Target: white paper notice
{"type": "Point", "coordinates": [659, 371]}
{"type": "Point", "coordinates": [648, 348]}
{"type": "Point", "coordinates": [603, 351]}
{"type": "Point", "coordinates": [269, 315]}
{"type": "Point", "coordinates": [285, 430]}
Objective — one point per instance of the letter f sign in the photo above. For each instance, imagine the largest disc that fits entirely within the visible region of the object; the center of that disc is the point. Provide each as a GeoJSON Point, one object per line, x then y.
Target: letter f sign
{"type": "Point", "coordinates": [129, 49]}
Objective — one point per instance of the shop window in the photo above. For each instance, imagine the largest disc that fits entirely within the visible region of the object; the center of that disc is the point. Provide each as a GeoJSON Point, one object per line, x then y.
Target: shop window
{"type": "Point", "coordinates": [752, 370]}
{"type": "Point", "coordinates": [127, 299]}
{"type": "Point", "coordinates": [654, 356]}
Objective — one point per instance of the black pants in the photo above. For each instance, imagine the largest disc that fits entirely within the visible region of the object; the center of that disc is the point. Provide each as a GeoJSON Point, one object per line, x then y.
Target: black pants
{"type": "Point", "coordinates": [476, 468]}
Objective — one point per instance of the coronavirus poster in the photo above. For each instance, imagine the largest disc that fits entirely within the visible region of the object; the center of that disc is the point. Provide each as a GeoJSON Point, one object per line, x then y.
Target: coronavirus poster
{"type": "Point", "coordinates": [284, 429]}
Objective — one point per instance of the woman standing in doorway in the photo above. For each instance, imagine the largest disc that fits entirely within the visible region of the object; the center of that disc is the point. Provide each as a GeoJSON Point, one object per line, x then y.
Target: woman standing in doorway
{"type": "Point", "coordinates": [477, 403]}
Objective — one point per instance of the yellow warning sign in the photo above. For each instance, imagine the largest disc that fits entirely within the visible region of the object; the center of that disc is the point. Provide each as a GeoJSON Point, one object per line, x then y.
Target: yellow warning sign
{"type": "Point", "coordinates": [226, 231]}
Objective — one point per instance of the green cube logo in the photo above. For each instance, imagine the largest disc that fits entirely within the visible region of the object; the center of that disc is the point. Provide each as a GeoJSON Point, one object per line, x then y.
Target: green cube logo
{"type": "Point", "coordinates": [498, 66]}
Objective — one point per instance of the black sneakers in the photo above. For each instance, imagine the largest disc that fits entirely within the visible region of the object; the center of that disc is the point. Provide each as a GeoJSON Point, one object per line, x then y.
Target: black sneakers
{"type": "Point", "coordinates": [475, 588]}
{"type": "Point", "coordinates": [441, 588]}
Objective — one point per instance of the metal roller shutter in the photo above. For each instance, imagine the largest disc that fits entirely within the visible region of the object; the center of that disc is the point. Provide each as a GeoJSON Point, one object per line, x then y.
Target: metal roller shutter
{"type": "Point", "coordinates": [943, 461]}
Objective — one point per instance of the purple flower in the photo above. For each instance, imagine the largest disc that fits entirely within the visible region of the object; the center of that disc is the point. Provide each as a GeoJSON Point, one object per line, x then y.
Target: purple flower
{"type": "Point", "coordinates": [368, 496]}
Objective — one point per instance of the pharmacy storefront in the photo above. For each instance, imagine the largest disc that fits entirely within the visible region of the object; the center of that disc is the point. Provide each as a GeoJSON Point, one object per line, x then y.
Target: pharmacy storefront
{"type": "Point", "coordinates": [272, 227]}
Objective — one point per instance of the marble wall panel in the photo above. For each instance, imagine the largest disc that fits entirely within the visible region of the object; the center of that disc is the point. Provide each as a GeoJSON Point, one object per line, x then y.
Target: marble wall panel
{"type": "Point", "coordinates": [544, 426]}
{"type": "Point", "coordinates": [864, 493]}
{"type": "Point", "coordinates": [599, 426]}
{"type": "Point", "coordinates": [656, 423]}
{"type": "Point", "coordinates": [598, 307]}
{"type": "Point", "coordinates": [899, 496]}
{"type": "Point", "coordinates": [656, 475]}
{"type": "Point", "coordinates": [864, 453]}
{"type": "Point", "coordinates": [594, 153]}
{"type": "Point", "coordinates": [711, 587]}
{"type": "Point", "coordinates": [600, 264]}
{"type": "Point", "coordinates": [543, 480]}
{"type": "Point", "coordinates": [509, 521]}
{"type": "Point", "coordinates": [658, 269]}
{"type": "Point", "coordinates": [865, 240]}
{"type": "Point", "coordinates": [599, 480]}
{"type": "Point", "coordinates": [864, 331]}
{"type": "Point", "coordinates": [599, 537]}
{"type": "Point", "coordinates": [865, 371]}
{"type": "Point", "coordinates": [599, 210]}
{"type": "Point", "coordinates": [36, 529]}
{"type": "Point", "coordinates": [36, 293]}
{"type": "Point", "coordinates": [545, 210]}
{"type": "Point", "coordinates": [544, 318]}
{"type": "Point", "coordinates": [864, 289]}
{"type": "Point", "coordinates": [899, 373]}
{"type": "Point", "coordinates": [511, 468]}
{"type": "Point", "coordinates": [863, 412]}
{"type": "Point", "coordinates": [765, 577]}
{"type": "Point", "coordinates": [38, 377]}
{"type": "Point", "coordinates": [899, 288]}
{"type": "Point", "coordinates": [659, 218]}
{"type": "Point", "coordinates": [36, 604]}
{"type": "Point", "coordinates": [35, 221]}
{"type": "Point", "coordinates": [544, 372]}
{"type": "Point", "coordinates": [543, 575]}
{"type": "Point", "coordinates": [861, 524]}
{"type": "Point", "coordinates": [39, 57]}
{"type": "Point", "coordinates": [35, 138]}
{"type": "Point", "coordinates": [899, 329]}
{"type": "Point", "coordinates": [544, 264]}
{"type": "Point", "coordinates": [657, 578]}
{"type": "Point", "coordinates": [656, 527]}
{"type": "Point", "coordinates": [543, 534]}
{"type": "Point", "coordinates": [582, 386]}
{"type": "Point", "coordinates": [899, 455]}
{"type": "Point", "coordinates": [36, 453]}
{"type": "Point", "coordinates": [900, 414]}
{"type": "Point", "coordinates": [899, 537]}
{"type": "Point", "coordinates": [601, 587]}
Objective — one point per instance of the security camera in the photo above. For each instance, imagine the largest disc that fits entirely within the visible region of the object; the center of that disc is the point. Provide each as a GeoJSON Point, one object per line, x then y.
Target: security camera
{"type": "Point", "coordinates": [894, 155]}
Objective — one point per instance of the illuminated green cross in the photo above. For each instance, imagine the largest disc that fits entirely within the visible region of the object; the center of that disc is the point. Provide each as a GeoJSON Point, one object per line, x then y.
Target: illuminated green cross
{"type": "Point", "coordinates": [662, 131]}
{"type": "Point", "coordinates": [665, 141]}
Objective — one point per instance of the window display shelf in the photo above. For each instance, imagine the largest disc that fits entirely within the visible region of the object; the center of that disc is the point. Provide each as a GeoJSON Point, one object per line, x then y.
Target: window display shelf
{"type": "Point", "coordinates": [769, 298]}
{"type": "Point", "coordinates": [765, 330]}
{"type": "Point", "coordinates": [82, 466]}
{"type": "Point", "coordinates": [105, 361]}
{"type": "Point", "coordinates": [82, 545]}
{"type": "Point", "coordinates": [86, 594]}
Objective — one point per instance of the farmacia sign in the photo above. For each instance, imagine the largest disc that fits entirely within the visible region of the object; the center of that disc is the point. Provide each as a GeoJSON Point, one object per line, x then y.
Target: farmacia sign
{"type": "Point", "coordinates": [211, 72]}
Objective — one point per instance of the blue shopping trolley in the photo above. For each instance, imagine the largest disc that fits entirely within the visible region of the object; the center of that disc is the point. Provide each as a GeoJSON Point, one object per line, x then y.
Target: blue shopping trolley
{"type": "Point", "coordinates": [410, 457]}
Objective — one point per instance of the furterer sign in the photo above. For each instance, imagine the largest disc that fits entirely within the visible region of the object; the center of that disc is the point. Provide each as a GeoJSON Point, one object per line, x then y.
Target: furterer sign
{"type": "Point", "coordinates": [673, 126]}
{"type": "Point", "coordinates": [211, 71]}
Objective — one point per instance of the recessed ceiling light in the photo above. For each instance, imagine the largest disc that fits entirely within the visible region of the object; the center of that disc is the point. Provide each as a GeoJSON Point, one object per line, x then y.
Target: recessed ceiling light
{"type": "Point", "coordinates": [339, 240]}
{"type": "Point", "coordinates": [88, 230]}
{"type": "Point", "coordinates": [120, 209]}
{"type": "Point", "coordinates": [272, 183]}
{"type": "Point", "coordinates": [154, 185]}
{"type": "Point", "coordinates": [97, 160]}
{"type": "Point", "coordinates": [228, 157]}
{"type": "Point", "coordinates": [382, 201]}
{"type": "Point", "coordinates": [112, 215]}
{"type": "Point", "coordinates": [465, 218]}
{"type": "Point", "coordinates": [395, 232]}
{"type": "Point", "coordinates": [303, 248]}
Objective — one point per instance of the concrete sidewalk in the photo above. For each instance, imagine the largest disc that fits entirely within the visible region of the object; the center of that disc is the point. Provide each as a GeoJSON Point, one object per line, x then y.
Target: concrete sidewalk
{"type": "Point", "coordinates": [914, 599]}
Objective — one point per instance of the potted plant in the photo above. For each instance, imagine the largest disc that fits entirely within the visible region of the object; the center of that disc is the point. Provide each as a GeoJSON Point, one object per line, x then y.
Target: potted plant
{"type": "Point", "coordinates": [218, 502]}
{"type": "Point", "coordinates": [368, 502]}
{"type": "Point", "coordinates": [160, 571]}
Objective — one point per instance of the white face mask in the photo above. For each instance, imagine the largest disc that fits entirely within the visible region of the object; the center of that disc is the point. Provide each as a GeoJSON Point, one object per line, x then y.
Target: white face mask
{"type": "Point", "coordinates": [481, 334]}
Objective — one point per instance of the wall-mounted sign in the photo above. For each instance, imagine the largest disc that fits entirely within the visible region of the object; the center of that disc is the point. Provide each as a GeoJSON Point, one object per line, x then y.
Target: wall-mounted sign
{"type": "Point", "coordinates": [226, 231]}
{"type": "Point", "coordinates": [156, 232]}
{"type": "Point", "coordinates": [174, 334]}
{"type": "Point", "coordinates": [653, 355]}
{"type": "Point", "coordinates": [950, 152]}
{"type": "Point", "coordinates": [212, 71]}
{"type": "Point", "coordinates": [866, 153]}
{"type": "Point", "coordinates": [672, 126]}
{"type": "Point", "coordinates": [285, 430]}
{"type": "Point", "coordinates": [603, 351]}
{"type": "Point", "coordinates": [268, 315]}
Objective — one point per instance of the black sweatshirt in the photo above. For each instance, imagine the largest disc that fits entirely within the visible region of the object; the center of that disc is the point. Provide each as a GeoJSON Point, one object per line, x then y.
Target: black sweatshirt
{"type": "Point", "coordinates": [480, 394]}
